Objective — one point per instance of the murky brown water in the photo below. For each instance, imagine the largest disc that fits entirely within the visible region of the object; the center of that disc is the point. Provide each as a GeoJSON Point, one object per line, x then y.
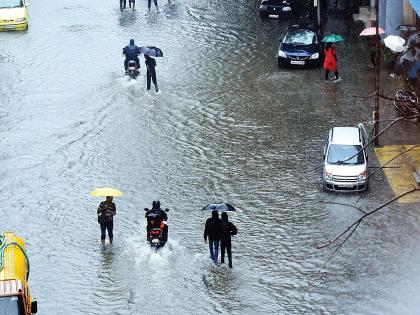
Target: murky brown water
{"type": "Point", "coordinates": [226, 126]}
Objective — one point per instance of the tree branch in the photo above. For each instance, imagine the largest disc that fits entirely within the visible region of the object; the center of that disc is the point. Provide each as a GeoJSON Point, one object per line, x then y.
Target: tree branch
{"type": "Point", "coordinates": [343, 204]}
{"type": "Point", "coordinates": [358, 221]}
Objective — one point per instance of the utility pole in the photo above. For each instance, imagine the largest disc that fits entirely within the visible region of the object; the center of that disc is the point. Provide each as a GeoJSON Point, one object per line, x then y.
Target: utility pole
{"type": "Point", "coordinates": [377, 56]}
{"type": "Point", "coordinates": [318, 12]}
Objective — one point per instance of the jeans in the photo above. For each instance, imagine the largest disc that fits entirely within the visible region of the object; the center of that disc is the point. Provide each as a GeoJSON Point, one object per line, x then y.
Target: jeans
{"type": "Point", "coordinates": [214, 250]}
{"type": "Point", "coordinates": [107, 225]}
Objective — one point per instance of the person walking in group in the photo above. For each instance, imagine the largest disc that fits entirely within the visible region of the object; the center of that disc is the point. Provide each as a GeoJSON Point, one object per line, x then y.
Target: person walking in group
{"type": "Point", "coordinates": [213, 232]}
{"type": "Point", "coordinates": [330, 62]}
{"type": "Point", "coordinates": [151, 72]}
{"type": "Point", "coordinates": [149, 3]}
{"type": "Point", "coordinates": [106, 212]}
{"type": "Point", "coordinates": [227, 230]}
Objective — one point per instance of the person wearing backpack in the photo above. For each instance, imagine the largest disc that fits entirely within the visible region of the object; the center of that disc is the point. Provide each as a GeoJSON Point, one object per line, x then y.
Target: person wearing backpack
{"type": "Point", "coordinates": [228, 229]}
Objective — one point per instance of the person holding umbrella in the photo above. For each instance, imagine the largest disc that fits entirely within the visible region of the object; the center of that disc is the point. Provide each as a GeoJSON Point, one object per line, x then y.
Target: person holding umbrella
{"type": "Point", "coordinates": [149, 52]}
{"type": "Point", "coordinates": [330, 62]}
{"type": "Point", "coordinates": [106, 211]}
{"type": "Point", "coordinates": [151, 72]}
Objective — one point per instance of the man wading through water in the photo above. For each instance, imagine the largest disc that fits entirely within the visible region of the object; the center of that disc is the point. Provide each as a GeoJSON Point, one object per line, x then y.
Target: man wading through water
{"type": "Point", "coordinates": [106, 212]}
{"type": "Point", "coordinates": [213, 231]}
{"type": "Point", "coordinates": [228, 229]}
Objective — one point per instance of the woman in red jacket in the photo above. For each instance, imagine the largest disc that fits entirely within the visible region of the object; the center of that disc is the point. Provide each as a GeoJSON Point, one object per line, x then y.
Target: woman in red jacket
{"type": "Point", "coordinates": [330, 62]}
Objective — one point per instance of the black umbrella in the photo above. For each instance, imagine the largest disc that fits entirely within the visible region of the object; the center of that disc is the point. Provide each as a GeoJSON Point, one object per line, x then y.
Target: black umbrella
{"type": "Point", "coordinates": [151, 51]}
{"type": "Point", "coordinates": [219, 207]}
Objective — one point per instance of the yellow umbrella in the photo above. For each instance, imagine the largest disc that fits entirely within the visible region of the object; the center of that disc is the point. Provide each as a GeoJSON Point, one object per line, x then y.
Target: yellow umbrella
{"type": "Point", "coordinates": [106, 191]}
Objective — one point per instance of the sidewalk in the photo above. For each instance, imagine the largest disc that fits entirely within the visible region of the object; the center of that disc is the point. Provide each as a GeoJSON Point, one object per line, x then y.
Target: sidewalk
{"type": "Point", "coordinates": [400, 171]}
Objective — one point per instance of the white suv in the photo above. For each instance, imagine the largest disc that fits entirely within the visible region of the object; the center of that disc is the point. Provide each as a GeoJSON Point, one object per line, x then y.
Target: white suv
{"type": "Point", "coordinates": [345, 163]}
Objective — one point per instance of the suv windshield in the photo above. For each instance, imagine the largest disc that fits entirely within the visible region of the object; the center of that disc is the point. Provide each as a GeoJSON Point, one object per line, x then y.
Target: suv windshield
{"type": "Point", "coordinates": [299, 36]}
{"type": "Point", "coordinates": [339, 154]}
{"type": "Point", "coordinates": [11, 305]}
{"type": "Point", "coordinates": [10, 4]}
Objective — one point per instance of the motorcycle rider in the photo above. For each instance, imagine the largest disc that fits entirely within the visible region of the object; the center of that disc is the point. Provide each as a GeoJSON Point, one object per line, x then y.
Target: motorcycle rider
{"type": "Point", "coordinates": [131, 52]}
{"type": "Point", "coordinates": [162, 217]}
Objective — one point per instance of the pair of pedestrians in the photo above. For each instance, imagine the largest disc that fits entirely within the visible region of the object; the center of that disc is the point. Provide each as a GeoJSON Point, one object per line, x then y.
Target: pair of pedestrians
{"type": "Point", "coordinates": [219, 232]}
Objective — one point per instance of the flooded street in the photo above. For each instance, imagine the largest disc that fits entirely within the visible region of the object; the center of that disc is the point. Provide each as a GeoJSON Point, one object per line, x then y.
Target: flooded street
{"type": "Point", "coordinates": [226, 125]}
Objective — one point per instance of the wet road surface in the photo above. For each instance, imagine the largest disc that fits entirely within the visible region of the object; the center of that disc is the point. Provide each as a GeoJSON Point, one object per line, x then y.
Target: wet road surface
{"type": "Point", "coordinates": [227, 125]}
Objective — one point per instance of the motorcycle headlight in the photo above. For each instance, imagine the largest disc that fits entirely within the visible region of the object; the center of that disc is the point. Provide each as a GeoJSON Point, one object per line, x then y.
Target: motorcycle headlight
{"type": "Point", "coordinates": [314, 56]}
{"type": "Point", "coordinates": [328, 176]}
{"type": "Point", "coordinates": [282, 54]}
{"type": "Point", "coordinates": [20, 20]}
{"type": "Point", "coordinates": [263, 7]}
{"type": "Point", "coordinates": [361, 177]}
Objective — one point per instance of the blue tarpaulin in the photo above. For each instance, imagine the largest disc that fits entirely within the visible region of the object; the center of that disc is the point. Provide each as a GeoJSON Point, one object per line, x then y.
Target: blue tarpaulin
{"type": "Point", "coordinates": [416, 6]}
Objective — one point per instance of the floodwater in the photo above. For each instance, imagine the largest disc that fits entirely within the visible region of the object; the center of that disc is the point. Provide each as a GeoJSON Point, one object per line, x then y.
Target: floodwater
{"type": "Point", "coordinates": [227, 125]}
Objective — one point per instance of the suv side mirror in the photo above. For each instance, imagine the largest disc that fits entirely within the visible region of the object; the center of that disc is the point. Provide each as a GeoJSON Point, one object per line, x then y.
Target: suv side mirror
{"type": "Point", "coordinates": [146, 209]}
{"type": "Point", "coordinates": [34, 307]}
{"type": "Point", "coordinates": [166, 210]}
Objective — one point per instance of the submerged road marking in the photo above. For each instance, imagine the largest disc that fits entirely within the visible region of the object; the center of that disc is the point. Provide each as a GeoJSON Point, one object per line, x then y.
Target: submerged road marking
{"type": "Point", "coordinates": [400, 173]}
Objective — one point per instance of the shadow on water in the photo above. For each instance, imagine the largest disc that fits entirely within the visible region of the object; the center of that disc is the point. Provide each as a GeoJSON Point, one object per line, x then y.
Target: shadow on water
{"type": "Point", "coordinates": [107, 257]}
{"type": "Point", "coordinates": [223, 282]}
{"type": "Point", "coordinates": [127, 18]}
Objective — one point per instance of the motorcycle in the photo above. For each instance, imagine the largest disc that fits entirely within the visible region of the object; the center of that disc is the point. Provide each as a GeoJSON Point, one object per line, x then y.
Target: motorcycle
{"type": "Point", "coordinates": [132, 69]}
{"type": "Point", "coordinates": [407, 103]}
{"type": "Point", "coordinates": [157, 229]}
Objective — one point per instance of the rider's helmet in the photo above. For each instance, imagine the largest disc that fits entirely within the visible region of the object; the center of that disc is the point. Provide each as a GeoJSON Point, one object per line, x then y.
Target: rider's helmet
{"type": "Point", "coordinates": [131, 41]}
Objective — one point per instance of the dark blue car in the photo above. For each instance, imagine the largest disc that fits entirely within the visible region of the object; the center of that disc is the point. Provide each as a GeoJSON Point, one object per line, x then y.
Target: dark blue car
{"type": "Point", "coordinates": [277, 8]}
{"type": "Point", "coordinates": [301, 46]}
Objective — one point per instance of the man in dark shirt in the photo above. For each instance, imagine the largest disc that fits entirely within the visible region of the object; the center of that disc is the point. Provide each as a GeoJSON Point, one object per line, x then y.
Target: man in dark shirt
{"type": "Point", "coordinates": [151, 72]}
{"type": "Point", "coordinates": [106, 212]}
{"type": "Point", "coordinates": [161, 219]}
{"type": "Point", "coordinates": [213, 231]}
{"type": "Point", "coordinates": [131, 52]}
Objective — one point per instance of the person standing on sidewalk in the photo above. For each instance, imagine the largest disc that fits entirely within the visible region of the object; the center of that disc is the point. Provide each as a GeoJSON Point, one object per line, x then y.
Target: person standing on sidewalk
{"type": "Point", "coordinates": [330, 62]}
{"type": "Point", "coordinates": [213, 231]}
{"type": "Point", "coordinates": [228, 229]}
{"type": "Point", "coordinates": [106, 212]}
{"type": "Point", "coordinates": [151, 72]}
